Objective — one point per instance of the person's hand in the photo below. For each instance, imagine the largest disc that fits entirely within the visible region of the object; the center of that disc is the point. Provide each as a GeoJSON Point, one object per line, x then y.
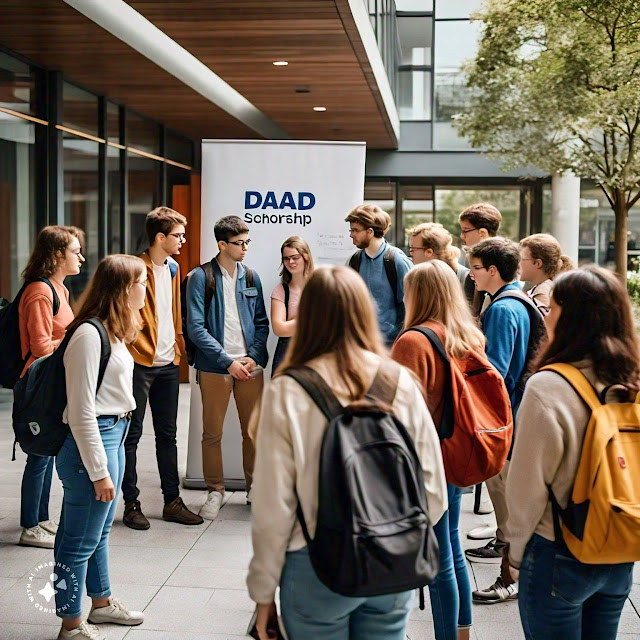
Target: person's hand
{"type": "Point", "coordinates": [249, 363]}
{"type": "Point", "coordinates": [267, 621]}
{"type": "Point", "coordinates": [105, 491]}
{"type": "Point", "coordinates": [239, 371]}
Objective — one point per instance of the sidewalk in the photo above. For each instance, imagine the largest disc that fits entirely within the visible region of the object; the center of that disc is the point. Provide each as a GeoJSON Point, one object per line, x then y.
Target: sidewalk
{"type": "Point", "coordinates": [190, 581]}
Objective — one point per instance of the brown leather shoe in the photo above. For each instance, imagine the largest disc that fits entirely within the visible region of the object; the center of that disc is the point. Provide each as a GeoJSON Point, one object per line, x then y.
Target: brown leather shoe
{"type": "Point", "coordinates": [177, 511]}
{"type": "Point", "coordinates": [133, 516]}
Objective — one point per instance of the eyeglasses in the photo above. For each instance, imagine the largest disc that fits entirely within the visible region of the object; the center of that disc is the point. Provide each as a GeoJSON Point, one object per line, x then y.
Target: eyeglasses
{"type": "Point", "coordinates": [463, 232]}
{"type": "Point", "coordinates": [240, 243]}
{"type": "Point", "coordinates": [352, 230]}
{"type": "Point", "coordinates": [293, 258]}
{"type": "Point", "coordinates": [412, 249]}
{"type": "Point", "coordinates": [180, 236]}
{"type": "Point", "coordinates": [142, 282]}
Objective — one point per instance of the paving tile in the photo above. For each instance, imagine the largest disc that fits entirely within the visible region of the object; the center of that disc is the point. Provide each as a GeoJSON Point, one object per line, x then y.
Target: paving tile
{"type": "Point", "coordinates": [215, 558]}
{"type": "Point", "coordinates": [14, 631]}
{"type": "Point", "coordinates": [6, 584]}
{"type": "Point", "coordinates": [148, 634]}
{"type": "Point", "coordinates": [208, 577]}
{"type": "Point", "coordinates": [193, 609]}
{"type": "Point", "coordinates": [143, 565]}
{"type": "Point", "coordinates": [168, 535]}
{"type": "Point", "coordinates": [15, 561]}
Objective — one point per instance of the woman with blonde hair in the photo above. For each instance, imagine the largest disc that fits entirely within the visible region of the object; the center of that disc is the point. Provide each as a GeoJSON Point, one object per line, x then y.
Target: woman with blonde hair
{"type": "Point", "coordinates": [90, 463]}
{"type": "Point", "coordinates": [297, 266]}
{"type": "Point", "coordinates": [43, 315]}
{"type": "Point", "coordinates": [435, 300]}
{"type": "Point", "coordinates": [431, 241]}
{"type": "Point", "coordinates": [344, 346]}
{"type": "Point", "coordinates": [541, 260]}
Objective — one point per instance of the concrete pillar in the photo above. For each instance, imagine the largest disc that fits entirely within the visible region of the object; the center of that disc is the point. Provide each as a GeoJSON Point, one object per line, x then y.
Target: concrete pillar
{"type": "Point", "coordinates": [565, 212]}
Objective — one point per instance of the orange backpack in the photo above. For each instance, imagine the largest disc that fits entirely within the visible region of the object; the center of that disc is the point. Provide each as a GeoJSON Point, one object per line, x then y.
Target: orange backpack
{"type": "Point", "coordinates": [477, 425]}
{"type": "Point", "coordinates": [601, 524]}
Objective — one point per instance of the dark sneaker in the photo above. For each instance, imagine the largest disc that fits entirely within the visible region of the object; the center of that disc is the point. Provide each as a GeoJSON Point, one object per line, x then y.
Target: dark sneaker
{"type": "Point", "coordinates": [497, 592]}
{"type": "Point", "coordinates": [177, 511]}
{"type": "Point", "coordinates": [491, 553]}
{"type": "Point", "coordinates": [133, 516]}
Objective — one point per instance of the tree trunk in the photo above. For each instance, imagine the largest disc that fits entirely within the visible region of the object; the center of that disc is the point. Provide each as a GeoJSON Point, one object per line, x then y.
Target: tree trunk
{"type": "Point", "coordinates": [622, 212]}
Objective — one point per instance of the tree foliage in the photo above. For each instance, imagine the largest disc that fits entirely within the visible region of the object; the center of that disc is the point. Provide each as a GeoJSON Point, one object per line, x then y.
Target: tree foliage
{"type": "Point", "coordinates": [556, 84]}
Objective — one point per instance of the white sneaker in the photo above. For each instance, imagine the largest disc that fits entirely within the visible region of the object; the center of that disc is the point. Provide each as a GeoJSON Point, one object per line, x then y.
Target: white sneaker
{"type": "Point", "coordinates": [485, 532]}
{"type": "Point", "coordinates": [85, 631]}
{"type": "Point", "coordinates": [50, 526]}
{"type": "Point", "coordinates": [116, 613]}
{"type": "Point", "coordinates": [210, 509]}
{"type": "Point", "coordinates": [36, 537]}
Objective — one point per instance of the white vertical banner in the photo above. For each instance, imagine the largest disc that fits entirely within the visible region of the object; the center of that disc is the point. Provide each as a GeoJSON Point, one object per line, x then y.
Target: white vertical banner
{"type": "Point", "coordinates": [280, 189]}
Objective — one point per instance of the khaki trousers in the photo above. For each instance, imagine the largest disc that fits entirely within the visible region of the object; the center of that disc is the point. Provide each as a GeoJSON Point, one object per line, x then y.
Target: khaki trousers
{"type": "Point", "coordinates": [497, 490]}
{"type": "Point", "coordinates": [216, 390]}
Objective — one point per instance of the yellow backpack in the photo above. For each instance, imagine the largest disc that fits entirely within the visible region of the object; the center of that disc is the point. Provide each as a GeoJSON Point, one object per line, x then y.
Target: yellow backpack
{"type": "Point", "coordinates": [601, 524]}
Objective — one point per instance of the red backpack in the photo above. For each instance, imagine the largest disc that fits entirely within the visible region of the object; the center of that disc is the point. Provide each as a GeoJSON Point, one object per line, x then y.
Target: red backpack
{"type": "Point", "coordinates": [477, 425]}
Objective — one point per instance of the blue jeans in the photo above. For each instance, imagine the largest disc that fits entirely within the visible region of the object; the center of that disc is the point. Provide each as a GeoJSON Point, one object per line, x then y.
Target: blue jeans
{"type": "Point", "coordinates": [450, 592]}
{"type": "Point", "coordinates": [36, 486]}
{"type": "Point", "coordinates": [81, 550]}
{"type": "Point", "coordinates": [311, 611]}
{"type": "Point", "coordinates": [560, 597]}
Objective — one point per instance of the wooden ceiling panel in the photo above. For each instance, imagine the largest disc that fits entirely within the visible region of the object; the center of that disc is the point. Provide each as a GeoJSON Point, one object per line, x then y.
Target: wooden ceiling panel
{"type": "Point", "coordinates": [238, 40]}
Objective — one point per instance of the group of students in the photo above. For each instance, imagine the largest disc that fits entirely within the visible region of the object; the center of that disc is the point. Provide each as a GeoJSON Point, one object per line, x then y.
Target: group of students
{"type": "Point", "coordinates": [348, 317]}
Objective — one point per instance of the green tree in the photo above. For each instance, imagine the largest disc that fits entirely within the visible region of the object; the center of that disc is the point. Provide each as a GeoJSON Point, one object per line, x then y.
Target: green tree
{"type": "Point", "coordinates": [556, 84]}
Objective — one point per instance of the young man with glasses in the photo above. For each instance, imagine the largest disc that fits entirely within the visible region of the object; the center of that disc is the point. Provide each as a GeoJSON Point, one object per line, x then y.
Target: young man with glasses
{"type": "Point", "coordinates": [477, 223]}
{"type": "Point", "coordinates": [381, 266]}
{"type": "Point", "coordinates": [156, 353]}
{"type": "Point", "coordinates": [227, 322]}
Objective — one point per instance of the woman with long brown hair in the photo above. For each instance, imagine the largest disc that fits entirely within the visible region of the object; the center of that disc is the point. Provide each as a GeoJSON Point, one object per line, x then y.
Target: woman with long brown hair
{"type": "Point", "coordinates": [541, 260]}
{"type": "Point", "coordinates": [590, 326]}
{"type": "Point", "coordinates": [342, 344]}
{"type": "Point", "coordinates": [435, 300]}
{"type": "Point", "coordinates": [43, 315]}
{"type": "Point", "coordinates": [90, 463]}
{"type": "Point", "coordinates": [297, 266]}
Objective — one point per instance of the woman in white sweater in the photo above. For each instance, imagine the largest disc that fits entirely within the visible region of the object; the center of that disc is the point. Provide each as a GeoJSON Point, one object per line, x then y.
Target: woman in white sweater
{"type": "Point", "coordinates": [90, 463]}
{"type": "Point", "coordinates": [590, 326]}
{"type": "Point", "coordinates": [340, 341]}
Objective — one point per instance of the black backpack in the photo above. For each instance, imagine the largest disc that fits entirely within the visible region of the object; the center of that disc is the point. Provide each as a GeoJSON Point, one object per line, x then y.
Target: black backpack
{"type": "Point", "coordinates": [40, 398]}
{"type": "Point", "coordinates": [10, 346]}
{"type": "Point", "coordinates": [389, 262]}
{"type": "Point", "coordinates": [209, 290]}
{"type": "Point", "coordinates": [373, 534]}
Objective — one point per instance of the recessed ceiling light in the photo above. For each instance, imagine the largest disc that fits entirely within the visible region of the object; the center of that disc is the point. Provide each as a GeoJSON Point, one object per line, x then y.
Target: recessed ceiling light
{"type": "Point", "coordinates": [280, 63]}
{"type": "Point", "coordinates": [319, 108]}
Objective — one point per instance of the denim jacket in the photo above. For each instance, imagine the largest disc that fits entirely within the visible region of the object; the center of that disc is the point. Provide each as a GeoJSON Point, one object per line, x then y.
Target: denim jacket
{"type": "Point", "coordinates": [210, 353]}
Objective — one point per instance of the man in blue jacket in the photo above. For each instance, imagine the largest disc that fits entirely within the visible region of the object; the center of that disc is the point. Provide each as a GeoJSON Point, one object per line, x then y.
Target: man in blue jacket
{"type": "Point", "coordinates": [381, 266]}
{"type": "Point", "coordinates": [227, 322]}
{"type": "Point", "coordinates": [507, 326]}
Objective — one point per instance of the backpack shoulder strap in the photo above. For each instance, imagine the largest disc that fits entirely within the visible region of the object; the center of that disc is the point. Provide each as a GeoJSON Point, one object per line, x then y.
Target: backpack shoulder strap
{"type": "Point", "coordinates": [56, 299]}
{"type": "Point", "coordinates": [209, 288]}
{"type": "Point", "coordinates": [525, 299]}
{"type": "Point", "coordinates": [385, 384]}
{"type": "Point", "coordinates": [389, 262]}
{"type": "Point", "coordinates": [285, 286]}
{"type": "Point", "coordinates": [432, 336]}
{"type": "Point", "coordinates": [249, 279]}
{"type": "Point", "coordinates": [105, 348]}
{"type": "Point", "coordinates": [354, 260]}
{"type": "Point", "coordinates": [313, 383]}
{"type": "Point", "coordinates": [578, 381]}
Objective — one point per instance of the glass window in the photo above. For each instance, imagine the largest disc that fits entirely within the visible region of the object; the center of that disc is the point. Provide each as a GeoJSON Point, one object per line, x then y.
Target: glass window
{"type": "Point", "coordinates": [415, 40]}
{"type": "Point", "coordinates": [114, 180]}
{"type": "Point", "coordinates": [79, 109]}
{"type": "Point", "coordinates": [113, 123]}
{"type": "Point", "coordinates": [17, 85]}
{"type": "Point", "coordinates": [17, 195]}
{"type": "Point", "coordinates": [450, 201]}
{"type": "Point", "coordinates": [383, 194]}
{"type": "Point", "coordinates": [143, 134]}
{"type": "Point", "coordinates": [417, 207]}
{"type": "Point", "coordinates": [179, 148]}
{"type": "Point", "coordinates": [80, 162]}
{"type": "Point", "coordinates": [414, 5]}
{"type": "Point", "coordinates": [456, 8]}
{"type": "Point", "coordinates": [414, 97]}
{"type": "Point", "coordinates": [143, 183]}
{"type": "Point", "coordinates": [456, 41]}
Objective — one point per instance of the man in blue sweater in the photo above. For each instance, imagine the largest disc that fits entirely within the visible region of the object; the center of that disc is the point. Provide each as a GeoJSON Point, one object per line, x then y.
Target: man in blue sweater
{"type": "Point", "coordinates": [381, 266]}
{"type": "Point", "coordinates": [506, 325]}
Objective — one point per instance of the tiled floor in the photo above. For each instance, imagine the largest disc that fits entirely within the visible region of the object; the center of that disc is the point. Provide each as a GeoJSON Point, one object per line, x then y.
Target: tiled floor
{"type": "Point", "coordinates": [190, 581]}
